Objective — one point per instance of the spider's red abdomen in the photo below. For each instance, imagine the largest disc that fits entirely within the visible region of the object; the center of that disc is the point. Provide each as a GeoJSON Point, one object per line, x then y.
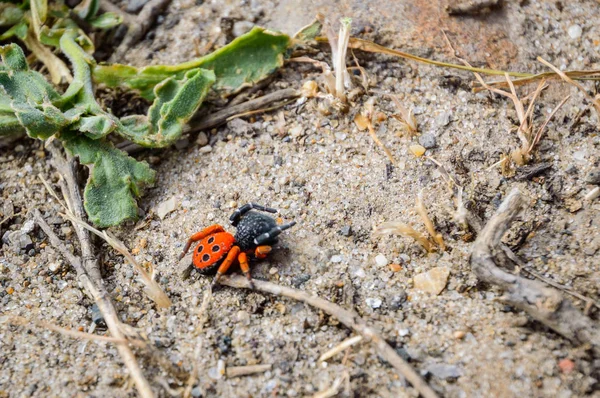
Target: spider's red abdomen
{"type": "Point", "coordinates": [212, 249]}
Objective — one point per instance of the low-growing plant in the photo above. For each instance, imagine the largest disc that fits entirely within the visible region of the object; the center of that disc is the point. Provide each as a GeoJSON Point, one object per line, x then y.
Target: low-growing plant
{"type": "Point", "coordinates": [31, 105]}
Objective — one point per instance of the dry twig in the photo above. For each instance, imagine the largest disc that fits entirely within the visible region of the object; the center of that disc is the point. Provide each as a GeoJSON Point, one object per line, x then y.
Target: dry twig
{"type": "Point", "coordinates": [349, 342]}
{"type": "Point", "coordinates": [22, 321]}
{"type": "Point", "coordinates": [222, 116]}
{"type": "Point", "coordinates": [88, 272]}
{"type": "Point", "coordinates": [490, 261]}
{"type": "Point", "coordinates": [348, 318]}
{"type": "Point", "coordinates": [140, 25]}
{"type": "Point", "coordinates": [238, 371]}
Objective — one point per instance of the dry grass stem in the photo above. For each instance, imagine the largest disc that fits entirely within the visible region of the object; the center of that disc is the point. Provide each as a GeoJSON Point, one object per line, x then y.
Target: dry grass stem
{"type": "Point", "coordinates": [422, 211]}
{"type": "Point", "coordinates": [87, 267]}
{"type": "Point", "coordinates": [342, 78]}
{"type": "Point", "coordinates": [202, 319]}
{"type": "Point", "coordinates": [540, 131]}
{"type": "Point", "coordinates": [153, 289]}
{"type": "Point", "coordinates": [398, 228]}
{"type": "Point", "coordinates": [566, 78]}
{"type": "Point", "coordinates": [348, 318]}
{"type": "Point", "coordinates": [340, 347]}
{"type": "Point", "coordinates": [367, 119]}
{"type": "Point", "coordinates": [406, 117]}
{"type": "Point", "coordinates": [331, 391]}
{"type": "Point", "coordinates": [59, 72]}
{"type": "Point", "coordinates": [22, 321]}
{"type": "Point", "coordinates": [593, 194]}
{"type": "Point", "coordinates": [238, 371]}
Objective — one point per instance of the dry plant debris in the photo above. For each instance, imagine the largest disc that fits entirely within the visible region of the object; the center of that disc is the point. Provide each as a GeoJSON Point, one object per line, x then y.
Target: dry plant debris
{"type": "Point", "coordinates": [434, 242]}
{"type": "Point", "coordinates": [349, 319]}
{"type": "Point", "coordinates": [490, 261]}
{"type": "Point", "coordinates": [364, 120]}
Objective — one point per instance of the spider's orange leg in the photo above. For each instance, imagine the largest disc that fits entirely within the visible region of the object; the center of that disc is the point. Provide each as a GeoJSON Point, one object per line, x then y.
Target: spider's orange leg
{"type": "Point", "coordinates": [243, 260]}
{"type": "Point", "coordinates": [200, 235]}
{"type": "Point", "coordinates": [231, 256]}
{"type": "Point", "coordinates": [262, 251]}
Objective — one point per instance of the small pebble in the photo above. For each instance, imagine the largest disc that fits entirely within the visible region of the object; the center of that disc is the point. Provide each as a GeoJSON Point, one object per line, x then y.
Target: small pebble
{"type": "Point", "coordinates": [417, 150]}
{"type": "Point", "coordinates": [53, 267]}
{"type": "Point", "coordinates": [398, 300]}
{"type": "Point", "coordinates": [196, 392]}
{"type": "Point", "coordinates": [346, 230]}
{"type": "Point", "coordinates": [443, 119]}
{"type": "Point", "coordinates": [202, 139]}
{"type": "Point", "coordinates": [300, 279]}
{"type": "Point", "coordinates": [574, 31]}
{"type": "Point", "coordinates": [395, 267]}
{"type": "Point", "coordinates": [373, 302]}
{"type": "Point", "coordinates": [182, 144]}
{"type": "Point", "coordinates": [241, 27]}
{"type": "Point", "coordinates": [566, 365]}
{"type": "Point", "coordinates": [336, 259]}
{"type": "Point", "coordinates": [428, 141]}
{"type": "Point", "coordinates": [10, 290]}
{"type": "Point", "coordinates": [273, 270]}
{"type": "Point", "coordinates": [593, 177]}
{"type": "Point", "coordinates": [444, 371]}
{"type": "Point", "coordinates": [206, 149]}
{"type": "Point", "coordinates": [459, 334]}
{"type": "Point", "coordinates": [432, 281]}
{"type": "Point", "coordinates": [381, 260]}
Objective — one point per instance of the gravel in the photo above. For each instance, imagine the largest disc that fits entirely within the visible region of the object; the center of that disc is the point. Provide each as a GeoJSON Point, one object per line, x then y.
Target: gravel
{"type": "Point", "coordinates": [326, 176]}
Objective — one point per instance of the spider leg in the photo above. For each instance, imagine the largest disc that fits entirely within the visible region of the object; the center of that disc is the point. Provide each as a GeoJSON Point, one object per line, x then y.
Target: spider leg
{"type": "Point", "coordinates": [200, 235]}
{"type": "Point", "coordinates": [231, 256]}
{"type": "Point", "coordinates": [262, 251]}
{"type": "Point", "coordinates": [267, 236]}
{"type": "Point", "coordinates": [235, 217]}
{"type": "Point", "coordinates": [243, 260]}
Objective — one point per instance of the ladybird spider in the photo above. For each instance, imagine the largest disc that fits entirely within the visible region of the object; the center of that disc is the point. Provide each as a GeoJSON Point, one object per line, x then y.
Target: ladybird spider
{"type": "Point", "coordinates": [217, 249]}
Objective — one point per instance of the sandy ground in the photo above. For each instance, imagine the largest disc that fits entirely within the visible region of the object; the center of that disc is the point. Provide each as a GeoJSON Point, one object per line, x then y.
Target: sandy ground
{"type": "Point", "coordinates": [338, 185]}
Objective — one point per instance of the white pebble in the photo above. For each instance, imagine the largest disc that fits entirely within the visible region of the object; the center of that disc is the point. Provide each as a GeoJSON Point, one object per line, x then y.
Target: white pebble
{"type": "Point", "coordinates": [336, 259]}
{"type": "Point", "coordinates": [360, 273]}
{"type": "Point", "coordinates": [381, 260]}
{"type": "Point", "coordinates": [403, 332]}
{"type": "Point", "coordinates": [373, 302]}
{"type": "Point", "coordinates": [574, 31]}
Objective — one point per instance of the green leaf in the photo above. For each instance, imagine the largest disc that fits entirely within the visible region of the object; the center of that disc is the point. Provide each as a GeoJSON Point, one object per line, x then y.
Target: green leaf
{"type": "Point", "coordinates": [19, 30]}
{"type": "Point", "coordinates": [243, 62]}
{"type": "Point", "coordinates": [40, 123]}
{"type": "Point", "coordinates": [115, 180]}
{"type": "Point", "coordinates": [106, 21]}
{"type": "Point", "coordinates": [10, 14]}
{"type": "Point", "coordinates": [39, 12]}
{"type": "Point", "coordinates": [176, 102]}
{"type": "Point", "coordinates": [88, 9]}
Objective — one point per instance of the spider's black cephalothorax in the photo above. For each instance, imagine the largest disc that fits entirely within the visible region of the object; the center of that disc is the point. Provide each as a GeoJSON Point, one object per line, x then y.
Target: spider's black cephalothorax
{"type": "Point", "coordinates": [255, 229]}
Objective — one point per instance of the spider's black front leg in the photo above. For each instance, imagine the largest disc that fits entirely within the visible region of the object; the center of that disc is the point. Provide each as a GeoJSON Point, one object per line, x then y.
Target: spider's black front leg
{"type": "Point", "coordinates": [268, 236]}
{"type": "Point", "coordinates": [237, 215]}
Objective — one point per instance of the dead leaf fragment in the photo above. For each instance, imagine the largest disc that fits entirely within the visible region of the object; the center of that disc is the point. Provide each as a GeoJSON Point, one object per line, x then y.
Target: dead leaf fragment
{"type": "Point", "coordinates": [166, 207]}
{"type": "Point", "coordinates": [361, 121]}
{"type": "Point", "coordinates": [432, 281]}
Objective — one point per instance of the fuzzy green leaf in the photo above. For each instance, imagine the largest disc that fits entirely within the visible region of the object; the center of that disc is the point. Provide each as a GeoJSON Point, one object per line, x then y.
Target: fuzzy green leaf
{"type": "Point", "coordinates": [245, 61]}
{"type": "Point", "coordinates": [19, 30]}
{"type": "Point", "coordinates": [115, 181]}
{"type": "Point", "coordinates": [10, 14]}
{"type": "Point", "coordinates": [176, 102]}
{"type": "Point", "coordinates": [106, 21]}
